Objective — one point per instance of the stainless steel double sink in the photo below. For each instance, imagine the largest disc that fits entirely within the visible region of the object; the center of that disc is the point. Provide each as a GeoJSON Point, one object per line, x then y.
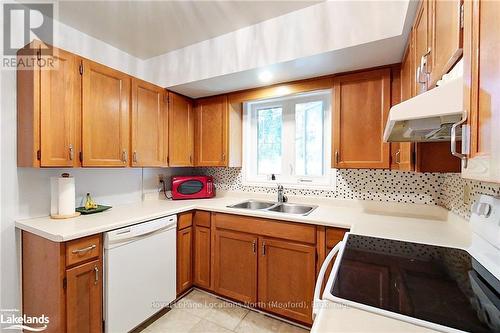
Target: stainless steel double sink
{"type": "Point", "coordinates": [277, 207]}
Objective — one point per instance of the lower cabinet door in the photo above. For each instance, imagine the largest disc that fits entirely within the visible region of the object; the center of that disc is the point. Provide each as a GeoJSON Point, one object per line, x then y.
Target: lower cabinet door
{"type": "Point", "coordinates": [287, 274]}
{"type": "Point", "coordinates": [84, 298]}
{"type": "Point", "coordinates": [202, 257]}
{"type": "Point", "coordinates": [184, 259]}
{"type": "Point", "coordinates": [235, 269]}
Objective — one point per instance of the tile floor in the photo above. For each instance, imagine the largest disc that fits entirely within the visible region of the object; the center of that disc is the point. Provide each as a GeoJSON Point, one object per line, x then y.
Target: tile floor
{"type": "Point", "coordinates": [204, 313]}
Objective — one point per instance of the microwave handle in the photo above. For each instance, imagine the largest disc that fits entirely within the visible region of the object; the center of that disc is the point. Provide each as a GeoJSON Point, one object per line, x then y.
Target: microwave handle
{"type": "Point", "coordinates": [317, 303]}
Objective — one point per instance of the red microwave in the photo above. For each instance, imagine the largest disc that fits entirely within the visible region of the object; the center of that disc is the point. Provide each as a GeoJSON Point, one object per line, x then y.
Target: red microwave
{"type": "Point", "coordinates": [192, 187]}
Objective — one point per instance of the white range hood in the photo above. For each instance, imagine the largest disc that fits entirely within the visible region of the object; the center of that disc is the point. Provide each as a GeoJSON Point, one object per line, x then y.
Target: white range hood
{"type": "Point", "coordinates": [428, 116]}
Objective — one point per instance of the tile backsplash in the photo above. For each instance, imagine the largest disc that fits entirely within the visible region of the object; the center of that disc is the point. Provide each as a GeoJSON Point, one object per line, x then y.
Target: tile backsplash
{"type": "Point", "coordinates": [441, 189]}
{"type": "Point", "coordinates": [454, 191]}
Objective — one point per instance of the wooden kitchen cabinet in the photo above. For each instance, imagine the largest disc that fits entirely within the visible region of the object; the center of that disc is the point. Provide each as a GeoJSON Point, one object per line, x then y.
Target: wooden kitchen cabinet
{"type": "Point", "coordinates": [438, 40]}
{"type": "Point", "coordinates": [446, 37]}
{"type": "Point", "coordinates": [149, 125]}
{"type": "Point", "coordinates": [235, 265]}
{"type": "Point", "coordinates": [211, 135]}
{"type": "Point", "coordinates": [181, 130]}
{"type": "Point", "coordinates": [287, 276]}
{"type": "Point", "coordinates": [421, 42]}
{"type": "Point", "coordinates": [358, 123]}
{"type": "Point", "coordinates": [202, 249]}
{"type": "Point", "coordinates": [64, 282]}
{"type": "Point", "coordinates": [482, 95]}
{"type": "Point", "coordinates": [105, 116]}
{"type": "Point", "coordinates": [48, 110]}
{"type": "Point", "coordinates": [184, 253]}
{"type": "Point", "coordinates": [84, 297]}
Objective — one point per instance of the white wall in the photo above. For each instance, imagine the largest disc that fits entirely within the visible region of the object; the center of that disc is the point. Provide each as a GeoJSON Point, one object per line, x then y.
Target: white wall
{"type": "Point", "coordinates": [327, 26]}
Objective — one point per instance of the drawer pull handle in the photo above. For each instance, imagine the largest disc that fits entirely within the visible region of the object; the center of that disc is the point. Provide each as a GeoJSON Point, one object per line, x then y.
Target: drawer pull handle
{"type": "Point", "coordinates": [84, 250]}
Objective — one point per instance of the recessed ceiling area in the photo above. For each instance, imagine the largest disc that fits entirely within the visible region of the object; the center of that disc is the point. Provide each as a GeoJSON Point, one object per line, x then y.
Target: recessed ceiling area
{"type": "Point", "coordinates": [146, 29]}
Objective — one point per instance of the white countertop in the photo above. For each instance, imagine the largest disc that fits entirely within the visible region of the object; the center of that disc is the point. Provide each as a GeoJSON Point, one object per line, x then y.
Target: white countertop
{"type": "Point", "coordinates": [331, 212]}
{"type": "Point", "coordinates": [410, 222]}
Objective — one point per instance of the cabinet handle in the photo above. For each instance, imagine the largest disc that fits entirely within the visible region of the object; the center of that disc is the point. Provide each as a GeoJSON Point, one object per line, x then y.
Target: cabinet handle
{"type": "Point", "coordinates": [96, 278]}
{"type": "Point", "coordinates": [71, 153]}
{"type": "Point", "coordinates": [134, 156]}
{"type": "Point", "coordinates": [337, 157]}
{"type": "Point", "coordinates": [427, 63]}
{"type": "Point", "coordinates": [263, 248]}
{"type": "Point", "coordinates": [124, 156]}
{"type": "Point", "coordinates": [190, 159]}
{"type": "Point", "coordinates": [85, 249]}
{"type": "Point", "coordinates": [462, 157]}
{"type": "Point", "coordinates": [254, 246]}
{"type": "Point", "coordinates": [398, 156]}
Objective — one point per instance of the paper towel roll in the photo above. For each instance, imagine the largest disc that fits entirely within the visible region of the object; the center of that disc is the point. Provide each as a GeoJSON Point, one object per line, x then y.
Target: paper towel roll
{"type": "Point", "coordinates": [54, 195]}
{"type": "Point", "coordinates": [66, 195]}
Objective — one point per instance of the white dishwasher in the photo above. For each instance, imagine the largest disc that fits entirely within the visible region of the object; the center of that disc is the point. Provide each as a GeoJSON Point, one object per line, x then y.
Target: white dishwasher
{"type": "Point", "coordinates": [139, 272]}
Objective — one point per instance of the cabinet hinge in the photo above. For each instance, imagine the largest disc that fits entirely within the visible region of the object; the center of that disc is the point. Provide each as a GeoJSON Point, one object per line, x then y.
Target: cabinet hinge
{"type": "Point", "coordinates": [80, 156]}
{"type": "Point", "coordinates": [65, 283]}
{"type": "Point", "coordinates": [38, 155]}
{"type": "Point", "coordinates": [80, 68]}
{"type": "Point", "coordinates": [462, 16]}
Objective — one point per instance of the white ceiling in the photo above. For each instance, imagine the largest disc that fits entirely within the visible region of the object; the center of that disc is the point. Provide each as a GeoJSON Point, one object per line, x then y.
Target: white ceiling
{"type": "Point", "coordinates": [146, 29]}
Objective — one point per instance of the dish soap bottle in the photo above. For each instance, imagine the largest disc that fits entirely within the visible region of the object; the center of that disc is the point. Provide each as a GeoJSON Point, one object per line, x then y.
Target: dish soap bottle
{"type": "Point", "coordinates": [90, 203]}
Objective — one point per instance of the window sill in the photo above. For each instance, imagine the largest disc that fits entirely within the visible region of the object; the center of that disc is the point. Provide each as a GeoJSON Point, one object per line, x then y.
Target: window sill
{"type": "Point", "coordinates": [300, 186]}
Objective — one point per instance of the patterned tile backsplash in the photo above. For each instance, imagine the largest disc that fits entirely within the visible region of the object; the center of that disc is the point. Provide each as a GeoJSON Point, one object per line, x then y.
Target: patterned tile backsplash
{"type": "Point", "coordinates": [441, 189]}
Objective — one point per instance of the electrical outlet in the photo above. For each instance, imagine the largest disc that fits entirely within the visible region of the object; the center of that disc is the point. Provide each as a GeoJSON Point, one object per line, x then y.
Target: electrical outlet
{"type": "Point", "coordinates": [161, 178]}
{"type": "Point", "coordinates": [467, 194]}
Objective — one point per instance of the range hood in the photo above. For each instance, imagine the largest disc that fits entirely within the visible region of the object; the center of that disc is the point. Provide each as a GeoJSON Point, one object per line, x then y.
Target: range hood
{"type": "Point", "coordinates": [429, 116]}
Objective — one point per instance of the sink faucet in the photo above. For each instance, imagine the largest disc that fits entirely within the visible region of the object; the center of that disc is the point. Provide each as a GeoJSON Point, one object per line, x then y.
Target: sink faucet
{"type": "Point", "coordinates": [281, 198]}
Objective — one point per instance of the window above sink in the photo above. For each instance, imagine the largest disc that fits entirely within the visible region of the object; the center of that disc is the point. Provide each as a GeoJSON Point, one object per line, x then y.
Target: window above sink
{"type": "Point", "coordinates": [288, 140]}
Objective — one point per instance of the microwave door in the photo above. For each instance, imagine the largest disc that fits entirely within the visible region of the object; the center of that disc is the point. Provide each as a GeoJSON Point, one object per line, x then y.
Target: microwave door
{"type": "Point", "coordinates": [190, 187]}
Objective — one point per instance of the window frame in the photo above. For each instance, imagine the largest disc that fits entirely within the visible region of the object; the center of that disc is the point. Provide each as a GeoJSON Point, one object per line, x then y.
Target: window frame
{"type": "Point", "coordinates": [250, 176]}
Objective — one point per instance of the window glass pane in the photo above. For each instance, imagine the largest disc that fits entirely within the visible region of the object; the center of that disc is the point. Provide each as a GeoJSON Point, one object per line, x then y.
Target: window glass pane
{"type": "Point", "coordinates": [309, 139]}
{"type": "Point", "coordinates": [269, 127]}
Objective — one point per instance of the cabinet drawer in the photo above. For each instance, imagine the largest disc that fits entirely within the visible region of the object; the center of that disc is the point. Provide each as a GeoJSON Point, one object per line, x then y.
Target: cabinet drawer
{"type": "Point", "coordinates": [264, 227]}
{"type": "Point", "coordinates": [184, 220]}
{"type": "Point", "coordinates": [202, 218]}
{"type": "Point", "coordinates": [83, 249]}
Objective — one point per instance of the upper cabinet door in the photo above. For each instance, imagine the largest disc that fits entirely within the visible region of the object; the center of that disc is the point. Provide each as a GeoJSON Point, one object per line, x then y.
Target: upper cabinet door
{"type": "Point", "coordinates": [105, 124]}
{"type": "Point", "coordinates": [60, 111]}
{"type": "Point", "coordinates": [149, 125]}
{"type": "Point", "coordinates": [482, 97]}
{"type": "Point", "coordinates": [361, 106]}
{"type": "Point", "coordinates": [446, 37]}
{"type": "Point", "coordinates": [211, 143]}
{"type": "Point", "coordinates": [181, 131]}
{"type": "Point", "coordinates": [421, 47]}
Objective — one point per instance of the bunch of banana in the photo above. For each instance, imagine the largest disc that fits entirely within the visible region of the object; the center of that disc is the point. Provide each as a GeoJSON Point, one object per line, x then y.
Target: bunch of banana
{"type": "Point", "coordinates": [90, 203]}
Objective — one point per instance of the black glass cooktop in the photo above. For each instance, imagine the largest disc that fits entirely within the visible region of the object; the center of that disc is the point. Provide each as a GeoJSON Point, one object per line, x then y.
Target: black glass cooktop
{"type": "Point", "coordinates": [436, 284]}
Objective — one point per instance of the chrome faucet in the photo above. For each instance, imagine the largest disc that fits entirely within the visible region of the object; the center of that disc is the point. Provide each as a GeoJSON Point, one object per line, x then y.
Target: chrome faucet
{"type": "Point", "coordinates": [281, 198]}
